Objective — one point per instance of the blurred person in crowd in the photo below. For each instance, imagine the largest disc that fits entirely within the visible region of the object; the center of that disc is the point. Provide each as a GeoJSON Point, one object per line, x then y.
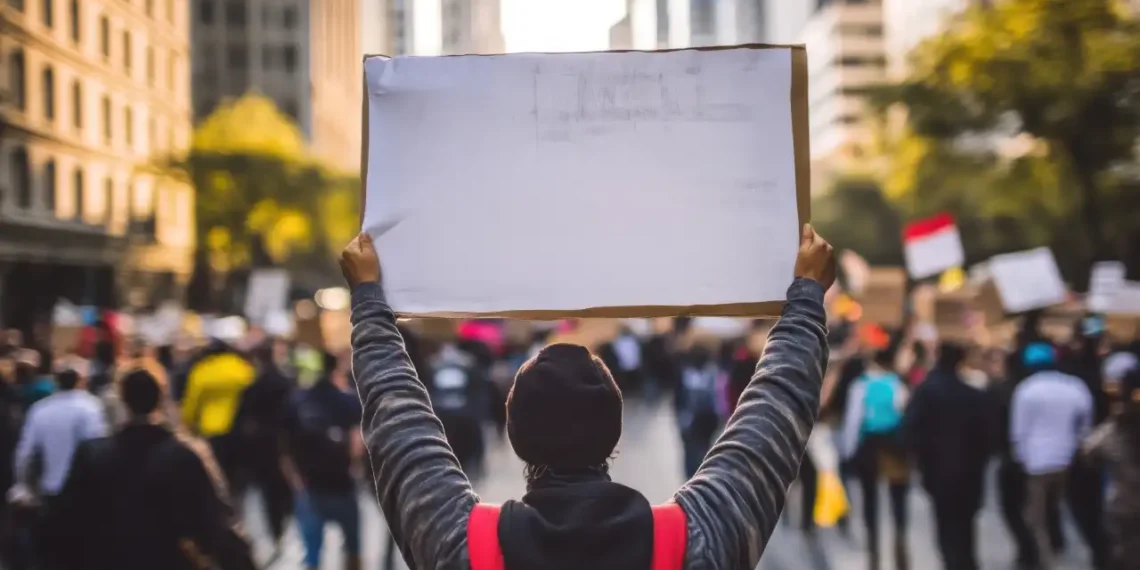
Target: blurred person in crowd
{"type": "Point", "coordinates": [1116, 443]}
{"type": "Point", "coordinates": [54, 428]}
{"type": "Point", "coordinates": [182, 358]}
{"type": "Point", "coordinates": [324, 451]}
{"type": "Point", "coordinates": [458, 392]}
{"type": "Point", "coordinates": [1085, 481]}
{"type": "Point", "coordinates": [11, 420]}
{"type": "Point", "coordinates": [564, 421]}
{"type": "Point", "coordinates": [847, 365]}
{"type": "Point", "coordinates": [31, 385]}
{"type": "Point", "coordinates": [1010, 476]}
{"type": "Point", "coordinates": [146, 497]}
{"type": "Point", "coordinates": [624, 358]}
{"type": "Point", "coordinates": [947, 428]}
{"type": "Point", "coordinates": [871, 439]}
{"type": "Point", "coordinates": [260, 423]}
{"type": "Point", "coordinates": [103, 351]}
{"type": "Point", "coordinates": [10, 340]}
{"type": "Point", "coordinates": [1050, 413]}
{"type": "Point", "coordinates": [214, 385]}
{"type": "Point", "coordinates": [697, 405]}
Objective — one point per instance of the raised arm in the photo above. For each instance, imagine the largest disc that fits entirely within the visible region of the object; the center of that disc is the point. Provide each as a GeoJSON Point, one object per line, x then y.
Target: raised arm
{"type": "Point", "coordinates": [425, 497]}
{"type": "Point", "coordinates": [733, 502]}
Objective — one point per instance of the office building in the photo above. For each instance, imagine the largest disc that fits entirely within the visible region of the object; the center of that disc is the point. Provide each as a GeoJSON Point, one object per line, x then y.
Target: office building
{"type": "Point", "coordinates": [665, 24]}
{"type": "Point", "coordinates": [846, 55]}
{"type": "Point", "coordinates": [437, 27]}
{"type": "Point", "coordinates": [93, 93]}
{"type": "Point", "coordinates": [303, 54]}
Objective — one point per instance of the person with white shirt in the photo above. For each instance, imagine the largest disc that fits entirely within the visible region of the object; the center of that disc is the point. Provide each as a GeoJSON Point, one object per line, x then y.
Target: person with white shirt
{"type": "Point", "coordinates": [53, 430]}
{"type": "Point", "coordinates": [1050, 415]}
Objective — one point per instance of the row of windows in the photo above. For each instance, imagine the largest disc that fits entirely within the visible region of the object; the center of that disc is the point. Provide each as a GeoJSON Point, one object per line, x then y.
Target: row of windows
{"type": "Point", "coordinates": [106, 35]}
{"type": "Point", "coordinates": [47, 12]}
{"type": "Point", "coordinates": [25, 189]}
{"type": "Point", "coordinates": [236, 11]}
{"type": "Point", "coordinates": [18, 92]}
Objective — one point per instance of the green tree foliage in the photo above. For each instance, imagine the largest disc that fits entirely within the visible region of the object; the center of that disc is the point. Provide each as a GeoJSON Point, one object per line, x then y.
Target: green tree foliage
{"type": "Point", "coordinates": [260, 199]}
{"type": "Point", "coordinates": [1063, 74]}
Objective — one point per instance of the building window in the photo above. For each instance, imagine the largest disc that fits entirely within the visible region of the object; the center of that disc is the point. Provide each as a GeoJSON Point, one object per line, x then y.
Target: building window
{"type": "Point", "coordinates": [77, 187]}
{"type": "Point", "coordinates": [289, 55]}
{"type": "Point", "coordinates": [170, 11]}
{"type": "Point", "coordinates": [17, 4]}
{"type": "Point", "coordinates": [48, 12]}
{"type": "Point", "coordinates": [75, 24]}
{"type": "Point", "coordinates": [127, 51]}
{"type": "Point", "coordinates": [150, 8]}
{"type": "Point", "coordinates": [105, 36]}
{"type": "Point", "coordinates": [235, 13]}
{"type": "Point", "coordinates": [129, 125]}
{"type": "Point", "coordinates": [289, 17]}
{"type": "Point", "coordinates": [150, 133]}
{"type": "Point", "coordinates": [49, 186]}
{"type": "Point", "coordinates": [107, 119]}
{"type": "Point", "coordinates": [172, 72]}
{"type": "Point", "coordinates": [236, 56]}
{"type": "Point", "coordinates": [16, 79]}
{"type": "Point", "coordinates": [108, 200]}
{"type": "Point", "coordinates": [266, 16]}
{"type": "Point", "coordinates": [860, 61]}
{"type": "Point", "coordinates": [49, 93]}
{"type": "Point", "coordinates": [206, 11]}
{"type": "Point", "coordinates": [150, 65]}
{"type": "Point", "coordinates": [77, 104]}
{"type": "Point", "coordinates": [21, 178]}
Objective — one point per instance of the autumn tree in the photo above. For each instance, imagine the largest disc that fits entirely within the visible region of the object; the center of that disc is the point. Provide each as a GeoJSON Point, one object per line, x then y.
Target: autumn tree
{"type": "Point", "coordinates": [1064, 73]}
{"type": "Point", "coordinates": [261, 201]}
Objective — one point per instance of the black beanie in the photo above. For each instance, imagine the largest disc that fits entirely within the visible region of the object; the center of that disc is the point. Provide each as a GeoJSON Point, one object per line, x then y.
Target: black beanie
{"type": "Point", "coordinates": [564, 410]}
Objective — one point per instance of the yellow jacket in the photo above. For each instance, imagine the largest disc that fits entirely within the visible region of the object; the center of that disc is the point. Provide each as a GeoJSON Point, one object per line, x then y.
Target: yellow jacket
{"type": "Point", "coordinates": [213, 391]}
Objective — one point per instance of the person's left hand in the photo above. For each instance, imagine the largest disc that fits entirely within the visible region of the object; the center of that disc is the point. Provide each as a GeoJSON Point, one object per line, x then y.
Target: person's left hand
{"type": "Point", "coordinates": [359, 262]}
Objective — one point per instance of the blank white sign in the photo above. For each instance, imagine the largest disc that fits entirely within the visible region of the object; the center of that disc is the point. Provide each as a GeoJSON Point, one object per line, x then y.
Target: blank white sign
{"type": "Point", "coordinates": [1028, 280]}
{"type": "Point", "coordinates": [566, 182]}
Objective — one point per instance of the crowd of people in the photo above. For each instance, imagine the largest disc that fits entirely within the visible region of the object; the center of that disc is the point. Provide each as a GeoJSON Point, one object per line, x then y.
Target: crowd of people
{"type": "Point", "coordinates": [99, 443]}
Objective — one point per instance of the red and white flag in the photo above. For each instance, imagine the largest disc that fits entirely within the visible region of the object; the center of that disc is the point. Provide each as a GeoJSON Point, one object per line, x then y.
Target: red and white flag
{"type": "Point", "coordinates": [932, 245]}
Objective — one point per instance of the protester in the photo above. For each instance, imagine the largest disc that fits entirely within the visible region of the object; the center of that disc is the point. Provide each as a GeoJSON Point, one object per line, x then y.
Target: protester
{"type": "Point", "coordinates": [261, 421]}
{"type": "Point", "coordinates": [1085, 481]}
{"type": "Point", "coordinates": [871, 439]}
{"type": "Point", "coordinates": [1011, 478]}
{"type": "Point", "coordinates": [214, 386]}
{"type": "Point", "coordinates": [1117, 444]}
{"type": "Point", "coordinates": [947, 427]}
{"type": "Point", "coordinates": [1050, 413]}
{"type": "Point", "coordinates": [695, 401]}
{"type": "Point", "coordinates": [324, 454]}
{"type": "Point", "coordinates": [458, 395]}
{"type": "Point", "coordinates": [54, 428]}
{"type": "Point", "coordinates": [145, 497]}
{"type": "Point", "coordinates": [564, 420]}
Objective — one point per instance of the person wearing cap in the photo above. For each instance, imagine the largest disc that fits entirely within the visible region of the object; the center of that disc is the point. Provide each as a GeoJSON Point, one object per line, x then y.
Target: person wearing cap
{"type": "Point", "coordinates": [1050, 414]}
{"type": "Point", "coordinates": [564, 420]}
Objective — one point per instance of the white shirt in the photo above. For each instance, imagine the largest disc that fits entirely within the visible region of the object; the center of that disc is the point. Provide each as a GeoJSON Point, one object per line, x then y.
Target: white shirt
{"type": "Point", "coordinates": [1050, 414]}
{"type": "Point", "coordinates": [54, 428]}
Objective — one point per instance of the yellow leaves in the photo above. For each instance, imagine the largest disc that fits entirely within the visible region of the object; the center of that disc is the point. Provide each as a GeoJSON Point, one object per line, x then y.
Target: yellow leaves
{"type": "Point", "coordinates": [250, 125]}
{"type": "Point", "coordinates": [218, 239]}
{"type": "Point", "coordinates": [283, 230]}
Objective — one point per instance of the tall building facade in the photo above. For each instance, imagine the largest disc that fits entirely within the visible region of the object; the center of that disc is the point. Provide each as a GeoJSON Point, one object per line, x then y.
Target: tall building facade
{"type": "Point", "coordinates": [845, 56]}
{"type": "Point", "coordinates": [438, 27]}
{"type": "Point", "coordinates": [664, 24]}
{"type": "Point", "coordinates": [303, 54]}
{"type": "Point", "coordinates": [93, 92]}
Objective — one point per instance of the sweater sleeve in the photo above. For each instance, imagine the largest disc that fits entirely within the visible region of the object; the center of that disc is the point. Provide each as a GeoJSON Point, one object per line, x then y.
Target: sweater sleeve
{"type": "Point", "coordinates": [424, 495]}
{"type": "Point", "coordinates": [733, 502]}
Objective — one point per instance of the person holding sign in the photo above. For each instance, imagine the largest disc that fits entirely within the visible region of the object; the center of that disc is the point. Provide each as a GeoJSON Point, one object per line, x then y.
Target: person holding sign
{"type": "Point", "coordinates": [564, 418]}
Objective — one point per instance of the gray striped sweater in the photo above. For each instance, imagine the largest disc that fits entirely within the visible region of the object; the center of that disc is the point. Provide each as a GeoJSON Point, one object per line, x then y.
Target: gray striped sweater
{"type": "Point", "coordinates": [732, 504]}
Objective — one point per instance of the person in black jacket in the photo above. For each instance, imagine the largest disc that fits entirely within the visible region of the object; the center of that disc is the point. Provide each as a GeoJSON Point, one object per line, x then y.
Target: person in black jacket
{"type": "Point", "coordinates": [261, 422]}
{"type": "Point", "coordinates": [946, 427]}
{"type": "Point", "coordinates": [146, 497]}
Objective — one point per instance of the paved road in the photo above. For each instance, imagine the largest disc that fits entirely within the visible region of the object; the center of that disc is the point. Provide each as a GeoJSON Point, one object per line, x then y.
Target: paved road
{"type": "Point", "coordinates": [649, 460]}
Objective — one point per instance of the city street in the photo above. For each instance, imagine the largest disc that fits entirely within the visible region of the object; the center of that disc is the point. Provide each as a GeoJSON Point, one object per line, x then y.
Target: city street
{"type": "Point", "coordinates": [649, 460]}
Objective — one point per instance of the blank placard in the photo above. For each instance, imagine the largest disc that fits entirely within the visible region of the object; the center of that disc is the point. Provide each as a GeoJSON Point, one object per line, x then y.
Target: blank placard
{"type": "Point", "coordinates": [1028, 280]}
{"type": "Point", "coordinates": [623, 184]}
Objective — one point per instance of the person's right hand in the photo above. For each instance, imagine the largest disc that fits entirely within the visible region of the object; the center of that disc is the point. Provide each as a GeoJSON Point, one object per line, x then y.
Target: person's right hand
{"type": "Point", "coordinates": [359, 262]}
{"type": "Point", "coordinates": [815, 261]}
